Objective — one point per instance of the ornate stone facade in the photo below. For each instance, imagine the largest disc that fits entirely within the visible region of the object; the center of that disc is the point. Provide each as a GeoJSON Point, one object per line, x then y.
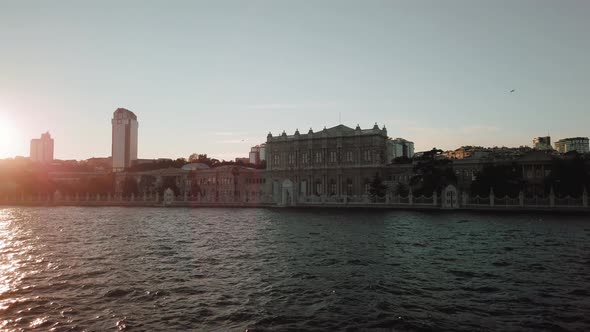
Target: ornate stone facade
{"type": "Point", "coordinates": [224, 184]}
{"type": "Point", "coordinates": [229, 184]}
{"type": "Point", "coordinates": [332, 163]}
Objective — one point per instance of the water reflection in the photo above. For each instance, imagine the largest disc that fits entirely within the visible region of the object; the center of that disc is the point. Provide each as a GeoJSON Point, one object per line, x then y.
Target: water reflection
{"type": "Point", "coordinates": [9, 262]}
{"type": "Point", "coordinates": [18, 261]}
{"type": "Point", "coordinates": [214, 269]}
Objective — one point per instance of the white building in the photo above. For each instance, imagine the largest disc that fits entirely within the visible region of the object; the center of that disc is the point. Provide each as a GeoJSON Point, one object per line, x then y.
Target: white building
{"type": "Point", "coordinates": [42, 149]}
{"type": "Point", "coordinates": [257, 154]}
{"type": "Point", "coordinates": [399, 147]}
{"type": "Point", "coordinates": [124, 148]}
{"type": "Point", "coordinates": [579, 144]}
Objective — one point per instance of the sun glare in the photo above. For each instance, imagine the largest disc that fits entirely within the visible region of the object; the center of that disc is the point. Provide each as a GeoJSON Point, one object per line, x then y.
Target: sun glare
{"type": "Point", "coordinates": [7, 137]}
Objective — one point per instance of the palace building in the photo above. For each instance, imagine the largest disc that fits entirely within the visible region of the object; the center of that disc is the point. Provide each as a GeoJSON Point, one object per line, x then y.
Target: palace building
{"type": "Point", "coordinates": [200, 183]}
{"type": "Point", "coordinates": [335, 162]}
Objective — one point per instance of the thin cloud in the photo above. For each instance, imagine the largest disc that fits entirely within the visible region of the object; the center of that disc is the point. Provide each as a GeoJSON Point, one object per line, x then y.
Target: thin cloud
{"type": "Point", "coordinates": [229, 134]}
{"type": "Point", "coordinates": [291, 106]}
{"type": "Point", "coordinates": [233, 141]}
{"type": "Point", "coordinates": [477, 129]}
{"type": "Point", "coordinates": [222, 133]}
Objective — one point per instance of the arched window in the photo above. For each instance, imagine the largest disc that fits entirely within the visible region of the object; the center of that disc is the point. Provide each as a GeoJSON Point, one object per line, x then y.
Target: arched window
{"type": "Point", "coordinates": [318, 187]}
{"type": "Point", "coordinates": [367, 186]}
{"type": "Point", "coordinates": [332, 187]}
{"type": "Point", "coordinates": [349, 186]}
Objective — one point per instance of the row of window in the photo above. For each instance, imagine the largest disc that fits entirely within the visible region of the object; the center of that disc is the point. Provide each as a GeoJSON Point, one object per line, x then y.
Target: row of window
{"type": "Point", "coordinates": [400, 178]}
{"type": "Point", "coordinates": [226, 193]}
{"type": "Point", "coordinates": [331, 189]}
{"type": "Point", "coordinates": [224, 181]}
{"type": "Point", "coordinates": [213, 180]}
{"type": "Point", "coordinates": [255, 180]}
{"type": "Point", "coordinates": [333, 157]}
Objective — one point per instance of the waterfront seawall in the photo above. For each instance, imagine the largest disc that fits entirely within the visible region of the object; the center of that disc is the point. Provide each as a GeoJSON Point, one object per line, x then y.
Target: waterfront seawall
{"type": "Point", "coordinates": [324, 205]}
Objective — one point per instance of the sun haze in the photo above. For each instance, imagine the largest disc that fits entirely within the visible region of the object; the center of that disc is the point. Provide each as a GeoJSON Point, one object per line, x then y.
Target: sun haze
{"type": "Point", "coordinates": [433, 72]}
{"type": "Point", "coordinates": [8, 136]}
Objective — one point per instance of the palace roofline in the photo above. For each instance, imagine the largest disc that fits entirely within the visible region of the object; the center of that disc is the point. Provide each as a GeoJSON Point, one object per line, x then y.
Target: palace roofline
{"type": "Point", "coordinates": [336, 131]}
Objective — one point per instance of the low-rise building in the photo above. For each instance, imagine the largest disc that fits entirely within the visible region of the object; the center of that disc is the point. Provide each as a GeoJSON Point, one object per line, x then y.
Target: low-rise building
{"type": "Point", "coordinates": [149, 161]}
{"type": "Point", "coordinates": [100, 164]}
{"type": "Point", "coordinates": [229, 184]}
{"type": "Point", "coordinates": [154, 180]}
{"type": "Point", "coordinates": [201, 183]}
{"type": "Point", "coordinates": [464, 152]}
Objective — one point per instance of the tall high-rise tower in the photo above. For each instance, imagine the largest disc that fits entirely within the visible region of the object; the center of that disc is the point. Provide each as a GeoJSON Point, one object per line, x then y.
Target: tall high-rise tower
{"type": "Point", "coordinates": [42, 148]}
{"type": "Point", "coordinates": [124, 149]}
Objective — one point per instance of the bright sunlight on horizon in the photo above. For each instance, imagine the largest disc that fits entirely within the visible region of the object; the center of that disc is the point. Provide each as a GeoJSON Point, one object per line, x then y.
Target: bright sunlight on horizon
{"type": "Point", "coordinates": [8, 134]}
{"type": "Point", "coordinates": [215, 77]}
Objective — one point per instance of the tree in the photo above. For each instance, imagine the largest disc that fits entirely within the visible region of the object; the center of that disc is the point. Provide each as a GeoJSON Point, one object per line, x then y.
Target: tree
{"type": "Point", "coordinates": [169, 182]}
{"type": "Point", "coordinates": [41, 183]}
{"type": "Point", "coordinates": [195, 188]}
{"type": "Point", "coordinates": [432, 175]}
{"type": "Point", "coordinates": [402, 160]}
{"type": "Point", "coordinates": [431, 155]}
{"type": "Point", "coordinates": [102, 184]}
{"type": "Point", "coordinates": [193, 158]}
{"type": "Point", "coordinates": [178, 163]}
{"type": "Point", "coordinates": [158, 164]}
{"type": "Point", "coordinates": [129, 186]}
{"type": "Point", "coordinates": [146, 183]}
{"type": "Point", "coordinates": [402, 189]}
{"type": "Point", "coordinates": [377, 188]}
{"type": "Point", "coordinates": [505, 179]}
{"type": "Point", "coordinates": [569, 176]}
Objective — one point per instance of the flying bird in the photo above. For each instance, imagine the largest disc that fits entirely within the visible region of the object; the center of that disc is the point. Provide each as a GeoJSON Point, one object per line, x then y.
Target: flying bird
{"type": "Point", "coordinates": [511, 91]}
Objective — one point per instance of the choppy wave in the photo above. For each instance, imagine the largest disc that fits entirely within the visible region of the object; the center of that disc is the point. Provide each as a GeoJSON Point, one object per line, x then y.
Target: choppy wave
{"type": "Point", "coordinates": [98, 269]}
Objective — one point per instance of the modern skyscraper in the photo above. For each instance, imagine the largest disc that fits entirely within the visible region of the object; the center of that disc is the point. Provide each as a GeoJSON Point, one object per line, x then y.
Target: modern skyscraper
{"type": "Point", "coordinates": [124, 148]}
{"type": "Point", "coordinates": [42, 149]}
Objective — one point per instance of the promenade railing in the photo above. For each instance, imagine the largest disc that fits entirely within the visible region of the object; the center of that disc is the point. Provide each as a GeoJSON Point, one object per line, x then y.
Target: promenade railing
{"type": "Point", "coordinates": [461, 200]}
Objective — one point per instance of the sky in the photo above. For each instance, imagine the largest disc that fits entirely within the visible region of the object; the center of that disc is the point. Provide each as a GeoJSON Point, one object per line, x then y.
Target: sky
{"type": "Point", "coordinates": [215, 77]}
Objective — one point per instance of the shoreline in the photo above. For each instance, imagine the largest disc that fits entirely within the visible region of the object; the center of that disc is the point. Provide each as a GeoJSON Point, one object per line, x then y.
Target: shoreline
{"type": "Point", "coordinates": [325, 206]}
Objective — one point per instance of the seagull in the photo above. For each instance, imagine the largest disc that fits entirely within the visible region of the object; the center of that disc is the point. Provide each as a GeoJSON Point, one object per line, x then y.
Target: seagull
{"type": "Point", "coordinates": [511, 91]}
